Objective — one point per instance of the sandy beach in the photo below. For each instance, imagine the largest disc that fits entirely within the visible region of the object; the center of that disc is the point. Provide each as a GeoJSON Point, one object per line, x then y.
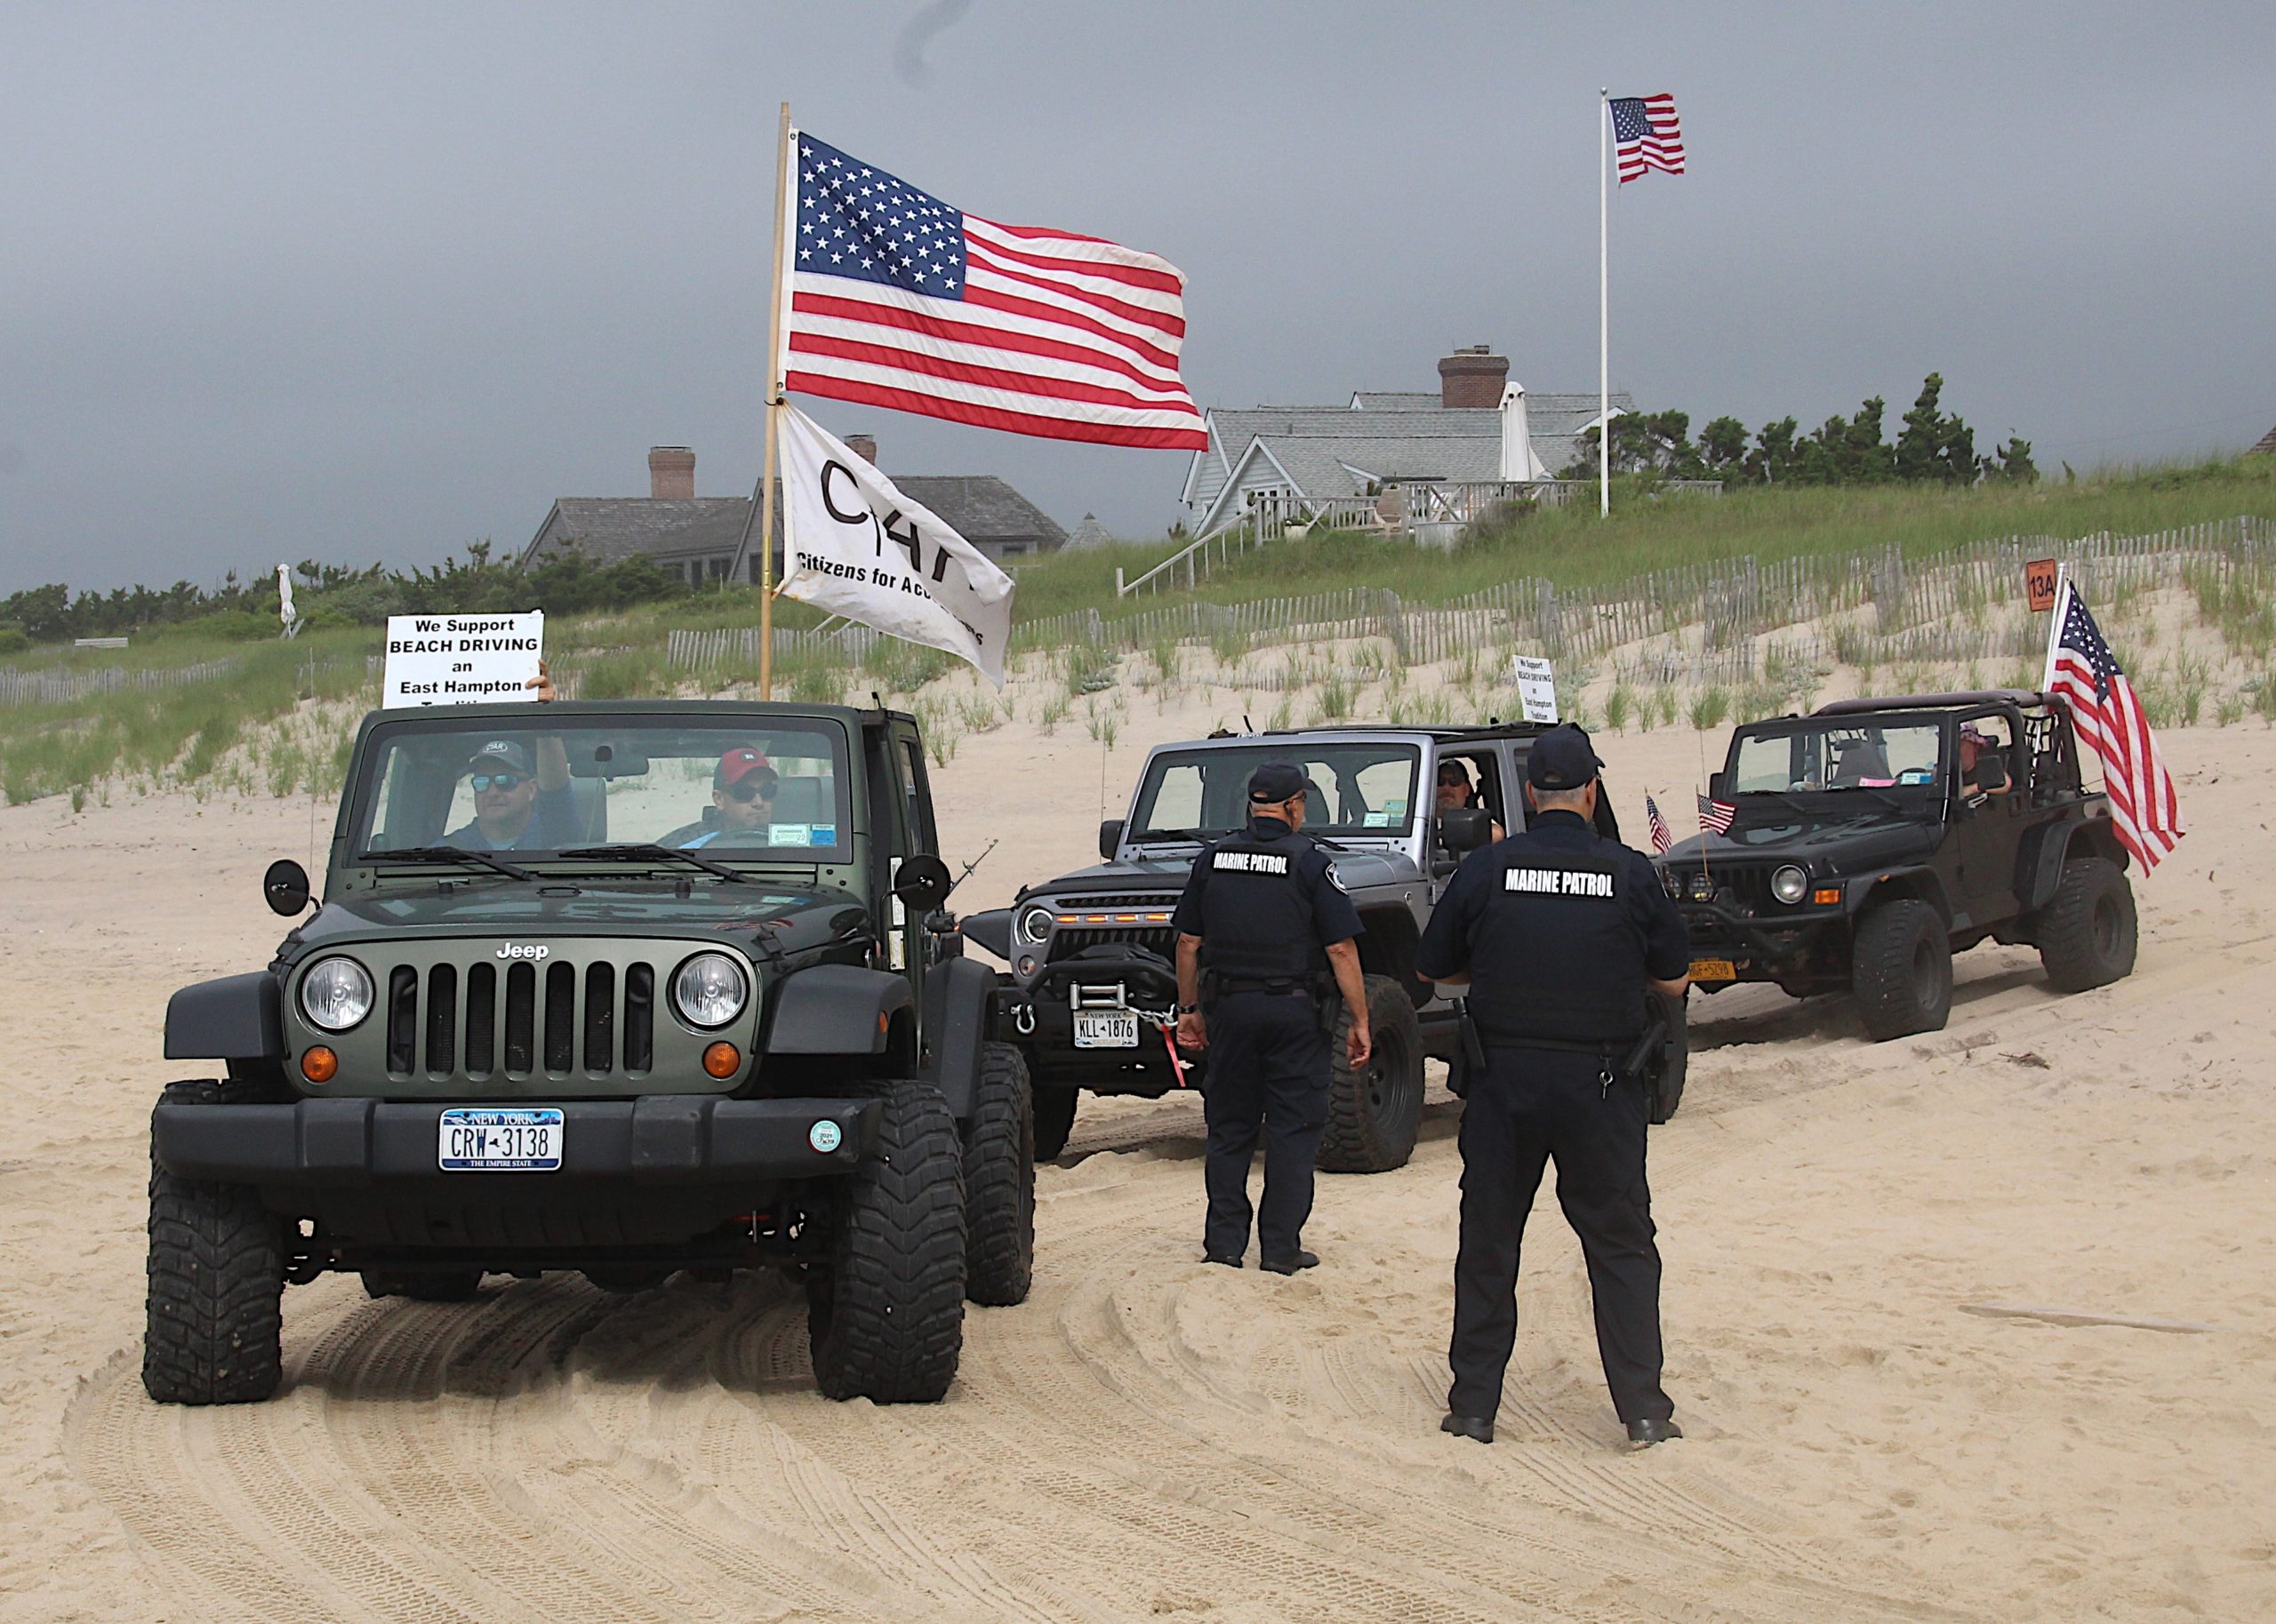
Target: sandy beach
{"type": "Point", "coordinates": [1978, 1326]}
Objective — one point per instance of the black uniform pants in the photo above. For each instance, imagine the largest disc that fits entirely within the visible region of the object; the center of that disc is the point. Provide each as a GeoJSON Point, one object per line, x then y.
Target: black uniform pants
{"type": "Point", "coordinates": [1531, 1107]}
{"type": "Point", "coordinates": [1269, 1074]}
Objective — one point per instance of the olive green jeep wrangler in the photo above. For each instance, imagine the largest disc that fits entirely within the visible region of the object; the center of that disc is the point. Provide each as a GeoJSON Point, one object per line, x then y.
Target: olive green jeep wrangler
{"type": "Point", "coordinates": [621, 988]}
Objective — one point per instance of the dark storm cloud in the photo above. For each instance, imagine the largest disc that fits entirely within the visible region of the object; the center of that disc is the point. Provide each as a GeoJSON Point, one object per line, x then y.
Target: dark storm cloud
{"type": "Point", "coordinates": [283, 281]}
{"type": "Point", "coordinates": [918, 32]}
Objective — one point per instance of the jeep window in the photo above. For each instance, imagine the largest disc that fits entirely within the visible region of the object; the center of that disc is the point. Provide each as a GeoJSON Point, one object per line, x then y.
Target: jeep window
{"type": "Point", "coordinates": [1840, 754]}
{"type": "Point", "coordinates": [1357, 788]}
{"type": "Point", "coordinates": [772, 789]}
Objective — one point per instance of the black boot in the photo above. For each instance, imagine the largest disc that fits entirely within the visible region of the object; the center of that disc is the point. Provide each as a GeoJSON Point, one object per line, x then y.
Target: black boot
{"type": "Point", "coordinates": [1479, 1427]}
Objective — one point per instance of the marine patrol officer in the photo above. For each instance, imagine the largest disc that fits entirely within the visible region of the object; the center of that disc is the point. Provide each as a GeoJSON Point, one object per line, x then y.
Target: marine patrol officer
{"type": "Point", "coordinates": [1558, 932]}
{"type": "Point", "coordinates": [1261, 928]}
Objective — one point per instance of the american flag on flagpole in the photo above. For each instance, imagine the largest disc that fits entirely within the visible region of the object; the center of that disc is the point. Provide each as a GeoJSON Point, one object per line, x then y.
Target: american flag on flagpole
{"type": "Point", "coordinates": [1647, 135]}
{"type": "Point", "coordinates": [1660, 839]}
{"type": "Point", "coordinates": [2108, 719]}
{"type": "Point", "coordinates": [1716, 816]}
{"type": "Point", "coordinates": [896, 298]}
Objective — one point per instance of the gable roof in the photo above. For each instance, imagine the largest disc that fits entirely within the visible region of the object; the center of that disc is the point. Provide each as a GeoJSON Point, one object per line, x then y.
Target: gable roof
{"type": "Point", "coordinates": [2267, 443]}
{"type": "Point", "coordinates": [981, 507]}
{"type": "Point", "coordinates": [610, 528]}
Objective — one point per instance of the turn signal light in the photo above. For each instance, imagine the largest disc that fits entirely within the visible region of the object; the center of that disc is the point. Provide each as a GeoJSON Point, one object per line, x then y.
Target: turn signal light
{"type": "Point", "coordinates": [1825, 896]}
{"type": "Point", "coordinates": [319, 1064]}
{"type": "Point", "coordinates": [722, 1061]}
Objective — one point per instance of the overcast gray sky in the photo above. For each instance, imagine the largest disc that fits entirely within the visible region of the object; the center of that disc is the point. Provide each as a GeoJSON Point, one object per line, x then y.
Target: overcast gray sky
{"type": "Point", "coordinates": [371, 282]}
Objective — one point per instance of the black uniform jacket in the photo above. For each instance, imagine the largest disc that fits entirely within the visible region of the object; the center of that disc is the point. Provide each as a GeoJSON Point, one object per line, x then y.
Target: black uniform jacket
{"type": "Point", "coordinates": [1292, 924]}
{"type": "Point", "coordinates": [1557, 928]}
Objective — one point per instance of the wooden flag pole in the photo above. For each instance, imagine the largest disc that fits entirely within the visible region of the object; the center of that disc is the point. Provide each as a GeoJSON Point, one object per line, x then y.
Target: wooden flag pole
{"type": "Point", "coordinates": [774, 390]}
{"type": "Point", "coordinates": [1604, 301]}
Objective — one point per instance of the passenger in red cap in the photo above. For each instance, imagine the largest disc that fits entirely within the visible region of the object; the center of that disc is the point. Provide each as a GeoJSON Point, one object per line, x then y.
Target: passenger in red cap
{"type": "Point", "coordinates": [742, 788]}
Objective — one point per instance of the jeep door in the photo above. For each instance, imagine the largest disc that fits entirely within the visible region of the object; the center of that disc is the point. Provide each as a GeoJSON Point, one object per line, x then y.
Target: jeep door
{"type": "Point", "coordinates": [1989, 824]}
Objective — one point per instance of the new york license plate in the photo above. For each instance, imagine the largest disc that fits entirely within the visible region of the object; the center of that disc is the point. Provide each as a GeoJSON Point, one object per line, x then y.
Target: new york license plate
{"type": "Point", "coordinates": [1106, 1028]}
{"type": "Point", "coordinates": [1713, 969]}
{"type": "Point", "coordinates": [504, 1138]}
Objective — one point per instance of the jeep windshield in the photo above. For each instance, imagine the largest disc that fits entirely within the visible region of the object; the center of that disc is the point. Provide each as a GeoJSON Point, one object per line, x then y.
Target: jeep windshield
{"type": "Point", "coordinates": [1356, 788]}
{"type": "Point", "coordinates": [1837, 767]}
{"type": "Point", "coordinates": [771, 790]}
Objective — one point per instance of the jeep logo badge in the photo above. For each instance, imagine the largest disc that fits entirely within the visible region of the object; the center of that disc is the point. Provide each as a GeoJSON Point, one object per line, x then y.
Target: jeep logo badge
{"type": "Point", "coordinates": [514, 949]}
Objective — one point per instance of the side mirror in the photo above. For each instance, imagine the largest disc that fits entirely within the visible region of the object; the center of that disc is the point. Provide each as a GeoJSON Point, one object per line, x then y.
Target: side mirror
{"type": "Point", "coordinates": [1465, 828]}
{"type": "Point", "coordinates": [922, 882]}
{"type": "Point", "coordinates": [1990, 772]}
{"type": "Point", "coordinates": [1718, 786]}
{"type": "Point", "coordinates": [1109, 839]}
{"type": "Point", "coordinates": [284, 887]}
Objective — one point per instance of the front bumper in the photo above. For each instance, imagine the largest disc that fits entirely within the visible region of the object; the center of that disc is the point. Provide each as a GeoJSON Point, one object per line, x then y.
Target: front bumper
{"type": "Point", "coordinates": [1762, 949]}
{"type": "Point", "coordinates": [1041, 1016]}
{"type": "Point", "coordinates": [654, 1139]}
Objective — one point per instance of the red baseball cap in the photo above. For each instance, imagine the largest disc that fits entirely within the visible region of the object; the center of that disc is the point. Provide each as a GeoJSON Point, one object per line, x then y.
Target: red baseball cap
{"type": "Point", "coordinates": [737, 764]}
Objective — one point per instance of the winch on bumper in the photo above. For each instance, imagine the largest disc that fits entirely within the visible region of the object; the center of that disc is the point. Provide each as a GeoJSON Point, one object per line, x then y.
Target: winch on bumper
{"type": "Point", "coordinates": [1099, 1013]}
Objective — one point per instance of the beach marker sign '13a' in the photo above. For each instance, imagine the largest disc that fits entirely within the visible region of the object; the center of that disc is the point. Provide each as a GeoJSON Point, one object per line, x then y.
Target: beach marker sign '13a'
{"type": "Point", "coordinates": [462, 659]}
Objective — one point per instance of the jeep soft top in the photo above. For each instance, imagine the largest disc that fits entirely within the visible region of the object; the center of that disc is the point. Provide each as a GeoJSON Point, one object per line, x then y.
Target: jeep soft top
{"type": "Point", "coordinates": [610, 1012]}
{"type": "Point", "coordinates": [1875, 837]}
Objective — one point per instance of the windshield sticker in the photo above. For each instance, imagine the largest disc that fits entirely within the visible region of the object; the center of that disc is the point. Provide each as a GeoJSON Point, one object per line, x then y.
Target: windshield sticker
{"type": "Point", "coordinates": [1915, 775]}
{"type": "Point", "coordinates": [825, 834]}
{"type": "Point", "coordinates": [1376, 820]}
{"type": "Point", "coordinates": [790, 834]}
{"type": "Point", "coordinates": [1396, 808]}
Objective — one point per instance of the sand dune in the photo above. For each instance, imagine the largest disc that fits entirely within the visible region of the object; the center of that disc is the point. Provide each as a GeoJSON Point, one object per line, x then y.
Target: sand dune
{"type": "Point", "coordinates": [1149, 1438]}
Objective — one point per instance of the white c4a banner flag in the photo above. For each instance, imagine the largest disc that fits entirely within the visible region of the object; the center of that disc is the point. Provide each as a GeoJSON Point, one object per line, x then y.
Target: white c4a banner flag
{"type": "Point", "coordinates": [856, 546]}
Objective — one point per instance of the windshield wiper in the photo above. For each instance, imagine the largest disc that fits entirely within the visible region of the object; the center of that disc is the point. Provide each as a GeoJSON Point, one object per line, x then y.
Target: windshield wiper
{"type": "Point", "coordinates": [1153, 836]}
{"type": "Point", "coordinates": [448, 854]}
{"type": "Point", "coordinates": [648, 852]}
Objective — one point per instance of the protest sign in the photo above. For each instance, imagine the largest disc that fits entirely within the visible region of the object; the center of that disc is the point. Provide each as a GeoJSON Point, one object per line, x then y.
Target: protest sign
{"type": "Point", "coordinates": [462, 659]}
{"type": "Point", "coordinates": [1536, 681]}
{"type": "Point", "coordinates": [855, 545]}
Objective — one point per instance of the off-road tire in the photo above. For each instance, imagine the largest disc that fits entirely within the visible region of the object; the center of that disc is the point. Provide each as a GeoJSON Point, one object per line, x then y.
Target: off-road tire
{"type": "Point", "coordinates": [1901, 970]}
{"type": "Point", "coordinates": [213, 1318]}
{"type": "Point", "coordinates": [2087, 932]}
{"type": "Point", "coordinates": [1054, 1118]}
{"type": "Point", "coordinates": [424, 1284]}
{"type": "Point", "coordinates": [999, 1183]}
{"type": "Point", "coordinates": [1374, 1112]}
{"type": "Point", "coordinates": [885, 1315]}
{"type": "Point", "coordinates": [1663, 1080]}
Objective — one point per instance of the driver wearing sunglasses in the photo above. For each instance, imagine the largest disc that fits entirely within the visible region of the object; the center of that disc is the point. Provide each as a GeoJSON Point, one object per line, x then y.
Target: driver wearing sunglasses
{"type": "Point", "coordinates": [517, 808]}
{"type": "Point", "coordinates": [742, 788]}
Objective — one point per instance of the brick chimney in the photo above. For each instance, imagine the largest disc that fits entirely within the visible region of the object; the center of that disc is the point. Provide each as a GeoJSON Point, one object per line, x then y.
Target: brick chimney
{"type": "Point", "coordinates": [672, 471]}
{"type": "Point", "coordinates": [864, 446]}
{"type": "Point", "coordinates": [1472, 377]}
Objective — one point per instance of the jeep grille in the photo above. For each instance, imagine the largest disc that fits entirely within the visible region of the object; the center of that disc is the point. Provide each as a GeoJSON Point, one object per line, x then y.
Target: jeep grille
{"type": "Point", "coordinates": [1080, 924]}
{"type": "Point", "coordinates": [557, 1017]}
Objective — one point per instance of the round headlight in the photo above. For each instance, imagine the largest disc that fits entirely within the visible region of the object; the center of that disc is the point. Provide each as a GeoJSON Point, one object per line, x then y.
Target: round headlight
{"type": "Point", "coordinates": [1671, 882]}
{"type": "Point", "coordinates": [1789, 885]}
{"type": "Point", "coordinates": [711, 990]}
{"type": "Point", "coordinates": [1035, 924]}
{"type": "Point", "coordinates": [336, 995]}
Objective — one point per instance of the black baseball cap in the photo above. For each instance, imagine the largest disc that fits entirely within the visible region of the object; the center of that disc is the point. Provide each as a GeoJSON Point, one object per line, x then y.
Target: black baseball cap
{"type": "Point", "coordinates": [1562, 759]}
{"type": "Point", "coordinates": [1274, 782]}
{"type": "Point", "coordinates": [504, 751]}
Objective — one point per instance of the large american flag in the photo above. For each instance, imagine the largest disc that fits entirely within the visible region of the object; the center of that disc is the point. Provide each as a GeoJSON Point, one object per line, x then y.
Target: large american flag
{"type": "Point", "coordinates": [2108, 719]}
{"type": "Point", "coordinates": [1647, 135]}
{"type": "Point", "coordinates": [897, 299]}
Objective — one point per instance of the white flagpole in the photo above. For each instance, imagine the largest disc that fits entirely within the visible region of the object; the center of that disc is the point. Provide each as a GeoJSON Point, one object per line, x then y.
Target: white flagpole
{"type": "Point", "coordinates": [2055, 624]}
{"type": "Point", "coordinates": [1604, 301]}
{"type": "Point", "coordinates": [783, 242]}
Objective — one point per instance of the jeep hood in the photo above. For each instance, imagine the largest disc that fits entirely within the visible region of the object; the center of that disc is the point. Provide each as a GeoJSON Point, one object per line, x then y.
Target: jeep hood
{"type": "Point", "coordinates": [796, 917]}
{"type": "Point", "coordinates": [1355, 868]}
{"type": "Point", "coordinates": [1872, 841]}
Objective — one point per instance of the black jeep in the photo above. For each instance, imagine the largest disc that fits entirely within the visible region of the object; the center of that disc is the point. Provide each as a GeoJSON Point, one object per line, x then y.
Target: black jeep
{"type": "Point", "coordinates": [1870, 841]}
{"type": "Point", "coordinates": [621, 988]}
{"type": "Point", "coordinates": [1093, 984]}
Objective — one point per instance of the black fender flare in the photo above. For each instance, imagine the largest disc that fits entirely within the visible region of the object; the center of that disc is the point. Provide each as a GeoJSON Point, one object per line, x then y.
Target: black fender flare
{"type": "Point", "coordinates": [1921, 881]}
{"type": "Point", "coordinates": [2058, 843]}
{"type": "Point", "coordinates": [236, 1018]}
{"type": "Point", "coordinates": [959, 1018]}
{"type": "Point", "coordinates": [838, 1009]}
